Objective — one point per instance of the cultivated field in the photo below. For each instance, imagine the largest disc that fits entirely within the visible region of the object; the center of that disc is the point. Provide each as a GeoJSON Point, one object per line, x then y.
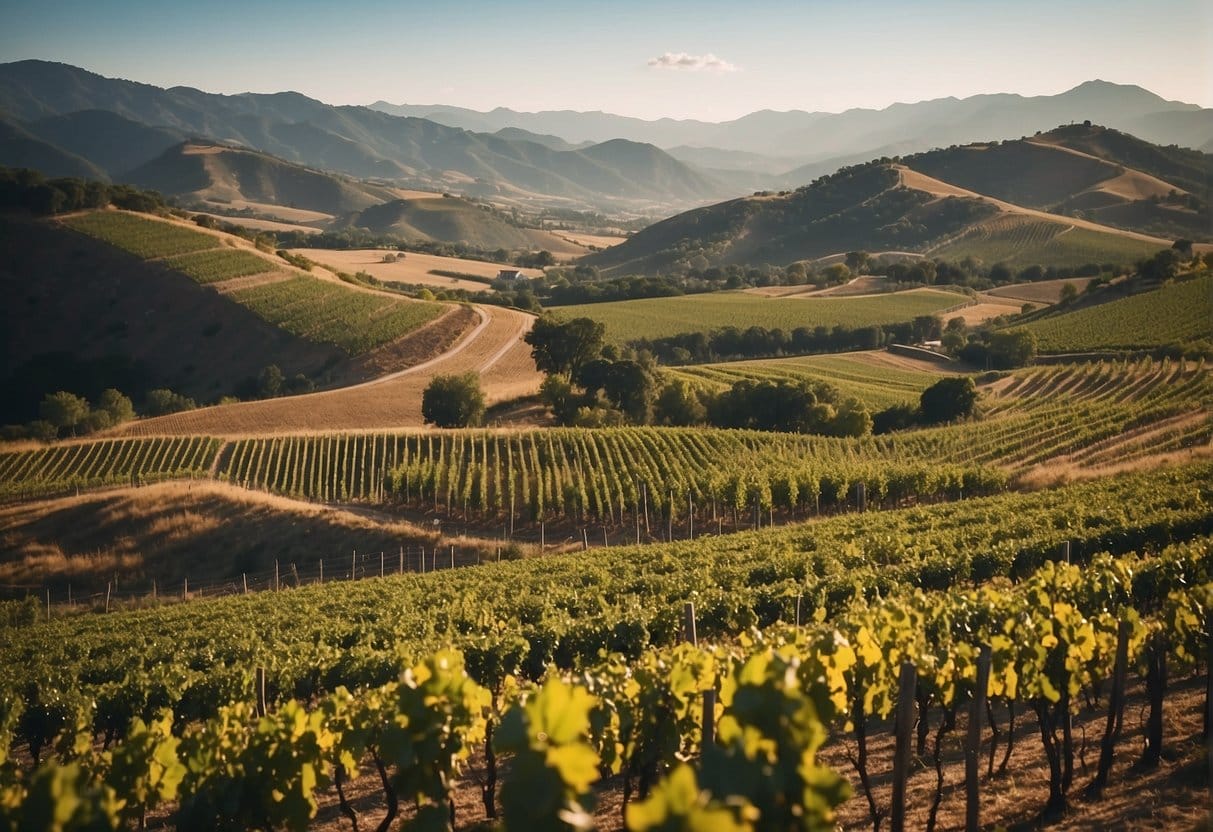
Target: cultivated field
{"type": "Point", "coordinates": [658, 317]}
{"type": "Point", "coordinates": [1022, 240]}
{"type": "Point", "coordinates": [411, 267]}
{"type": "Point", "coordinates": [317, 308]}
{"type": "Point", "coordinates": [1041, 292]}
{"type": "Point", "coordinates": [879, 379]}
{"type": "Point", "coordinates": [393, 400]}
{"type": "Point", "coordinates": [1174, 313]}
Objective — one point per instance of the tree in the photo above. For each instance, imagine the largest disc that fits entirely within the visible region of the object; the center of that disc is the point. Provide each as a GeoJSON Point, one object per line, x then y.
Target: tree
{"type": "Point", "coordinates": [557, 394]}
{"type": "Point", "coordinates": [563, 347]}
{"type": "Point", "coordinates": [1184, 247]}
{"type": "Point", "coordinates": [64, 410]}
{"type": "Point", "coordinates": [630, 388]}
{"type": "Point", "coordinates": [857, 261]}
{"type": "Point", "coordinates": [453, 401]}
{"type": "Point", "coordinates": [1012, 348]}
{"type": "Point", "coordinates": [116, 406]}
{"type": "Point", "coordinates": [948, 399]}
{"type": "Point", "coordinates": [269, 381]}
{"type": "Point", "coordinates": [1068, 292]}
{"type": "Point", "coordinates": [162, 401]}
{"type": "Point", "coordinates": [678, 405]}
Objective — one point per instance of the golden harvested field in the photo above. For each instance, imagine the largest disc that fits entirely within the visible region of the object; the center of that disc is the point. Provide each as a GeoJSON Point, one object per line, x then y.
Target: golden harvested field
{"type": "Point", "coordinates": [586, 240]}
{"type": "Point", "coordinates": [1041, 292]}
{"type": "Point", "coordinates": [414, 267]}
{"type": "Point", "coordinates": [985, 309]}
{"type": "Point", "coordinates": [390, 401]}
{"type": "Point", "coordinates": [281, 212]}
{"type": "Point", "coordinates": [262, 225]}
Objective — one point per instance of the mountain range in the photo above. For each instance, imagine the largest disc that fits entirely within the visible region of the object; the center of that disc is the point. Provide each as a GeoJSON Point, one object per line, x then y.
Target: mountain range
{"type": "Point", "coordinates": [779, 142]}
{"type": "Point", "coordinates": [67, 121]}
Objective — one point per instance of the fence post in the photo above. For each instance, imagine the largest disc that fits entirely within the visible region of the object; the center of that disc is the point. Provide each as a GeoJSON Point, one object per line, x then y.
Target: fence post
{"type": "Point", "coordinates": [381, 563]}
{"type": "Point", "coordinates": [260, 691]}
{"type": "Point", "coordinates": [977, 709]}
{"type": "Point", "coordinates": [401, 570]}
{"type": "Point", "coordinates": [322, 570]}
{"type": "Point", "coordinates": [48, 603]}
{"type": "Point", "coordinates": [709, 717]}
{"type": "Point", "coordinates": [585, 540]}
{"type": "Point", "coordinates": [185, 589]}
{"type": "Point", "coordinates": [1116, 700]}
{"type": "Point", "coordinates": [688, 623]}
{"type": "Point", "coordinates": [452, 555]}
{"type": "Point", "coordinates": [244, 581]}
{"type": "Point", "coordinates": [107, 596]}
{"type": "Point", "coordinates": [904, 730]}
{"type": "Point", "coordinates": [542, 537]}
{"type": "Point", "coordinates": [275, 574]}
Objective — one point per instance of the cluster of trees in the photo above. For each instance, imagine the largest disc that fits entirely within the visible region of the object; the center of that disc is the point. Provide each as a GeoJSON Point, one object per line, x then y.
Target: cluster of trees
{"type": "Point", "coordinates": [66, 414]}
{"type": "Point", "coordinates": [271, 382]}
{"type": "Point", "coordinates": [946, 400]}
{"type": "Point", "coordinates": [590, 384]}
{"type": "Point", "coordinates": [730, 343]}
{"type": "Point", "coordinates": [29, 190]}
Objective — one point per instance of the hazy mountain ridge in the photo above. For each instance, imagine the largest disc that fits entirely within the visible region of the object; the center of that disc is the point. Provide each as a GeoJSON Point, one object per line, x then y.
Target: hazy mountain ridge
{"type": "Point", "coordinates": [808, 137]}
{"type": "Point", "coordinates": [356, 140]}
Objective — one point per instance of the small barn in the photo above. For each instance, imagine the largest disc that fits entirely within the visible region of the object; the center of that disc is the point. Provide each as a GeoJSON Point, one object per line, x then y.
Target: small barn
{"type": "Point", "coordinates": [511, 274]}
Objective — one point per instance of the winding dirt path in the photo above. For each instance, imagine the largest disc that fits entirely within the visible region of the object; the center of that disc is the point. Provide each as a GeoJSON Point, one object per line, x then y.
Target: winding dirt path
{"type": "Point", "coordinates": [493, 348]}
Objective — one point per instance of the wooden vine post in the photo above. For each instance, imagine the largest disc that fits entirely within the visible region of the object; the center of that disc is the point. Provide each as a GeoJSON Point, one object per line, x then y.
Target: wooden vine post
{"type": "Point", "coordinates": [904, 727]}
{"type": "Point", "coordinates": [977, 709]}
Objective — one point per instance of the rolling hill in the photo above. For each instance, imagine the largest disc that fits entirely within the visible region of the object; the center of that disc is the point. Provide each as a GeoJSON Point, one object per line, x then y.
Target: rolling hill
{"type": "Point", "coordinates": [217, 173]}
{"type": "Point", "coordinates": [453, 220]}
{"type": "Point", "coordinates": [359, 141]}
{"type": "Point", "coordinates": [125, 300]}
{"type": "Point", "coordinates": [1016, 201]}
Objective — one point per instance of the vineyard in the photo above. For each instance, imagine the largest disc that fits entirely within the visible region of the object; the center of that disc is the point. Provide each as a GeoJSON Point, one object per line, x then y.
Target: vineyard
{"type": "Point", "coordinates": [1091, 414]}
{"type": "Point", "coordinates": [214, 265]}
{"type": "Point", "coordinates": [1019, 240]}
{"type": "Point", "coordinates": [660, 317]}
{"type": "Point", "coordinates": [62, 469]}
{"type": "Point", "coordinates": [317, 310]}
{"type": "Point", "coordinates": [141, 236]}
{"type": "Point", "coordinates": [797, 637]}
{"type": "Point", "coordinates": [330, 313]}
{"type": "Point", "coordinates": [1175, 313]}
{"type": "Point", "coordinates": [860, 376]}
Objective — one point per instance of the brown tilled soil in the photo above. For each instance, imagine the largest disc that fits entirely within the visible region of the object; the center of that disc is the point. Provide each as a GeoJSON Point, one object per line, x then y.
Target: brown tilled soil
{"type": "Point", "coordinates": [1173, 796]}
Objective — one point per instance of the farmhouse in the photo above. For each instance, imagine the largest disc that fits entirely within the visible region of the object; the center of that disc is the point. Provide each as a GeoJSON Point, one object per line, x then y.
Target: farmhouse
{"type": "Point", "coordinates": [511, 274]}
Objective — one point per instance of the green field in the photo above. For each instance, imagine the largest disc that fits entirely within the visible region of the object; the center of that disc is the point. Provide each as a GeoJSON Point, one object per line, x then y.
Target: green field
{"type": "Point", "coordinates": [1175, 313]}
{"type": "Point", "coordinates": [1024, 241]}
{"type": "Point", "coordinates": [875, 385]}
{"type": "Point", "coordinates": [142, 237]}
{"type": "Point", "coordinates": [629, 320]}
{"type": "Point", "coordinates": [219, 264]}
{"type": "Point", "coordinates": [329, 313]}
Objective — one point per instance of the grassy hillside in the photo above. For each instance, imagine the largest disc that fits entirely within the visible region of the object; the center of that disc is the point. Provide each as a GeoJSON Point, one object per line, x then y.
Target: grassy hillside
{"type": "Point", "coordinates": [19, 148]}
{"type": "Point", "coordinates": [876, 379]}
{"type": "Point", "coordinates": [321, 311]}
{"type": "Point", "coordinates": [84, 315]}
{"type": "Point", "coordinates": [938, 203]}
{"type": "Point", "coordinates": [857, 208]}
{"type": "Point", "coordinates": [1021, 240]}
{"type": "Point", "coordinates": [453, 220]}
{"type": "Point", "coordinates": [1088, 172]}
{"type": "Point", "coordinates": [215, 173]}
{"type": "Point", "coordinates": [1174, 313]}
{"type": "Point", "coordinates": [659, 317]}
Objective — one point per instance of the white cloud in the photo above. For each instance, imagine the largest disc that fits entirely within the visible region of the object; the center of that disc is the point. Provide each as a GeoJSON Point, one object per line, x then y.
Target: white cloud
{"type": "Point", "coordinates": [692, 63]}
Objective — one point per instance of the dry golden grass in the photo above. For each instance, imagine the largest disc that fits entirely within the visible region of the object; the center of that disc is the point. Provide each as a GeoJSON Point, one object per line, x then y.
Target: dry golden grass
{"type": "Point", "coordinates": [263, 225]}
{"type": "Point", "coordinates": [985, 309]}
{"type": "Point", "coordinates": [391, 401]}
{"type": "Point", "coordinates": [201, 530]}
{"type": "Point", "coordinates": [413, 267]}
{"type": "Point", "coordinates": [1041, 292]}
{"type": "Point", "coordinates": [278, 212]}
{"type": "Point", "coordinates": [919, 181]}
{"type": "Point", "coordinates": [587, 240]}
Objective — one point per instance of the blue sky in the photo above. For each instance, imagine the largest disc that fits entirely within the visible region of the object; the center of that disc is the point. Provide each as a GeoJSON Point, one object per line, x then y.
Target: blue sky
{"type": "Point", "coordinates": [704, 59]}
